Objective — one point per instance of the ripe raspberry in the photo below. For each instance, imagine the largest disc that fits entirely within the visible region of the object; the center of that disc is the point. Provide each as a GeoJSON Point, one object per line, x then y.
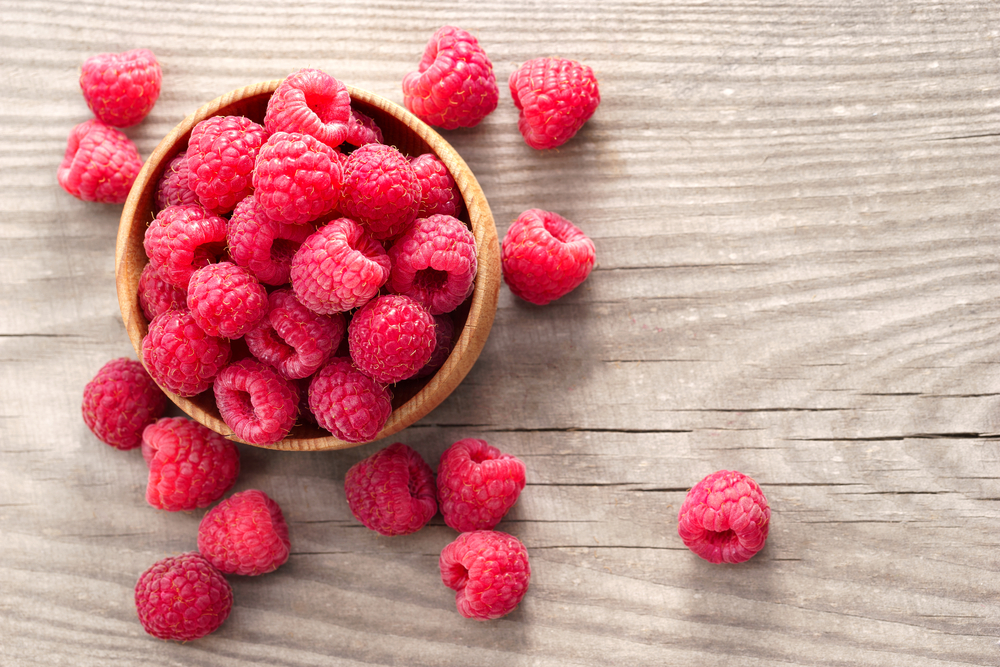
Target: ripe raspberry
{"type": "Point", "coordinates": [392, 491]}
{"type": "Point", "coordinates": [293, 339]}
{"type": "Point", "coordinates": [121, 88]}
{"type": "Point", "coordinates": [455, 85]}
{"type": "Point", "coordinates": [338, 268]}
{"type": "Point", "coordinates": [348, 403]}
{"type": "Point", "coordinates": [120, 401]}
{"type": "Point", "coordinates": [256, 402]}
{"type": "Point", "coordinates": [221, 155]}
{"type": "Point", "coordinates": [182, 597]}
{"type": "Point", "coordinates": [311, 102]}
{"type": "Point", "coordinates": [180, 356]}
{"type": "Point", "coordinates": [489, 572]}
{"type": "Point", "coordinates": [173, 186]}
{"type": "Point", "coordinates": [245, 534]}
{"type": "Point", "coordinates": [391, 338]}
{"type": "Point", "coordinates": [262, 245]}
{"type": "Point", "coordinates": [477, 484]}
{"type": "Point", "coordinates": [363, 130]}
{"type": "Point", "coordinates": [297, 177]}
{"type": "Point", "coordinates": [100, 164]}
{"type": "Point", "coordinates": [181, 239]}
{"type": "Point", "coordinates": [156, 295]}
{"type": "Point", "coordinates": [555, 97]}
{"type": "Point", "coordinates": [434, 261]}
{"type": "Point", "coordinates": [444, 332]}
{"type": "Point", "coordinates": [381, 190]}
{"type": "Point", "coordinates": [190, 465]}
{"type": "Point", "coordinates": [724, 518]}
{"type": "Point", "coordinates": [438, 192]}
{"type": "Point", "coordinates": [226, 300]}
{"type": "Point", "coordinates": [545, 256]}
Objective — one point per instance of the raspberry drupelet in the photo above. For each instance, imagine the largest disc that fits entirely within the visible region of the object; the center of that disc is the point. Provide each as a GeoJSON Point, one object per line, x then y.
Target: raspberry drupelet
{"type": "Point", "coordinates": [392, 491]}
{"type": "Point", "coordinates": [725, 518]}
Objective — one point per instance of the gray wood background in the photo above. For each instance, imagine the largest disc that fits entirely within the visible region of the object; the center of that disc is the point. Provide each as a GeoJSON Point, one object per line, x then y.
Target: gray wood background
{"type": "Point", "coordinates": [795, 208]}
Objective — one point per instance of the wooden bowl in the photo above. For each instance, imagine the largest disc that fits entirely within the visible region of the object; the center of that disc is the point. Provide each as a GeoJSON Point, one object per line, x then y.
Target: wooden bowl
{"type": "Point", "coordinates": [412, 399]}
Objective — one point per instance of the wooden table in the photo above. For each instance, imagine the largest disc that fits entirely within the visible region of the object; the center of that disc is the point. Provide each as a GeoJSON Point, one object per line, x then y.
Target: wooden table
{"type": "Point", "coordinates": [796, 210]}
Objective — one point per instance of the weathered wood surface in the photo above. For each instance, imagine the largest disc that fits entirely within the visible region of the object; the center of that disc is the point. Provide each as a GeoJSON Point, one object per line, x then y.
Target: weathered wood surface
{"type": "Point", "coordinates": [795, 208]}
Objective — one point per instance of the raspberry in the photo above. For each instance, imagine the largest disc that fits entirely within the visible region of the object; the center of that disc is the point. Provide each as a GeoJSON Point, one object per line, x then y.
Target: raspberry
{"type": "Point", "coordinates": [180, 356]}
{"type": "Point", "coordinates": [434, 261]}
{"type": "Point", "coordinates": [182, 597]}
{"type": "Point", "coordinates": [311, 102]}
{"type": "Point", "coordinates": [555, 97]}
{"type": "Point", "coordinates": [545, 256]}
{"type": "Point", "coordinates": [263, 245]}
{"type": "Point", "coordinates": [297, 177]}
{"type": "Point", "coordinates": [256, 402]}
{"type": "Point", "coordinates": [477, 484]}
{"type": "Point", "coordinates": [381, 190]}
{"type": "Point", "coordinates": [444, 331]}
{"type": "Point", "coordinates": [348, 403]}
{"type": "Point", "coordinates": [489, 572]}
{"type": "Point", "coordinates": [363, 130]}
{"type": "Point", "coordinates": [293, 339]}
{"type": "Point", "coordinates": [226, 300]}
{"type": "Point", "coordinates": [100, 164]}
{"type": "Point", "coordinates": [120, 401]}
{"type": "Point", "coordinates": [391, 491]}
{"type": "Point", "coordinates": [190, 465]}
{"type": "Point", "coordinates": [156, 295]}
{"type": "Point", "coordinates": [221, 155]}
{"type": "Point", "coordinates": [121, 88]}
{"type": "Point", "coordinates": [438, 191]}
{"type": "Point", "coordinates": [454, 85]}
{"type": "Point", "coordinates": [173, 186]}
{"type": "Point", "coordinates": [391, 338]}
{"type": "Point", "coordinates": [181, 239]}
{"type": "Point", "coordinates": [724, 518]}
{"type": "Point", "coordinates": [245, 534]}
{"type": "Point", "coordinates": [338, 268]}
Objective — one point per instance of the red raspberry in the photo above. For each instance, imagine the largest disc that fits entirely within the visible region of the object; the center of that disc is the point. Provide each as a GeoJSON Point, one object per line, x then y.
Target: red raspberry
{"type": "Point", "coordinates": [489, 572]}
{"type": "Point", "coordinates": [156, 295]}
{"type": "Point", "coordinates": [182, 597]}
{"type": "Point", "coordinates": [545, 256]}
{"type": "Point", "coordinates": [263, 245]}
{"type": "Point", "coordinates": [348, 403]}
{"type": "Point", "coordinates": [392, 491]}
{"type": "Point", "coordinates": [221, 155]}
{"type": "Point", "coordinates": [438, 191]}
{"type": "Point", "coordinates": [391, 338]}
{"type": "Point", "coordinates": [444, 331]}
{"type": "Point", "coordinates": [173, 186]}
{"type": "Point", "coordinates": [190, 465]}
{"type": "Point", "coordinates": [297, 177]}
{"type": "Point", "coordinates": [121, 88]}
{"type": "Point", "coordinates": [245, 534]}
{"type": "Point", "coordinates": [181, 239]}
{"type": "Point", "coordinates": [477, 484]}
{"type": "Point", "coordinates": [226, 300]}
{"type": "Point", "coordinates": [434, 261]}
{"type": "Point", "coordinates": [311, 102]}
{"type": "Point", "coordinates": [363, 130]}
{"type": "Point", "coordinates": [100, 164]}
{"type": "Point", "coordinates": [293, 339]}
{"type": "Point", "coordinates": [555, 97]}
{"type": "Point", "coordinates": [724, 518]}
{"type": "Point", "coordinates": [381, 190]}
{"type": "Point", "coordinates": [256, 402]}
{"type": "Point", "coordinates": [455, 85]}
{"type": "Point", "coordinates": [338, 268]}
{"type": "Point", "coordinates": [120, 401]}
{"type": "Point", "coordinates": [180, 356]}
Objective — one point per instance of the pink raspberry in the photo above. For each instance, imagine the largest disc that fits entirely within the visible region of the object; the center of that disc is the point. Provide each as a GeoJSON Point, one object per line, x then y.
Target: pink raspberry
{"type": "Point", "coordinates": [245, 534]}
{"type": "Point", "coordinates": [190, 465]}
{"type": "Point", "coordinates": [100, 164]}
{"type": "Point", "coordinates": [391, 338]}
{"type": "Point", "coordinates": [348, 403]}
{"type": "Point", "coordinates": [262, 245]}
{"type": "Point", "coordinates": [338, 268]}
{"type": "Point", "coordinates": [293, 339]}
{"type": "Point", "coordinates": [434, 261]}
{"type": "Point", "coordinates": [477, 484]}
{"type": "Point", "coordinates": [545, 256]}
{"type": "Point", "coordinates": [489, 572]}
{"type": "Point", "coordinates": [311, 102]}
{"type": "Point", "coordinates": [555, 97]}
{"type": "Point", "coordinates": [173, 186]}
{"type": "Point", "coordinates": [181, 239]}
{"type": "Point", "coordinates": [180, 356]}
{"type": "Point", "coordinates": [363, 130]}
{"type": "Point", "coordinates": [156, 295]}
{"type": "Point", "coordinates": [454, 85]}
{"type": "Point", "coordinates": [391, 491]}
{"type": "Point", "coordinates": [725, 518]}
{"type": "Point", "coordinates": [438, 192]}
{"type": "Point", "coordinates": [120, 401]}
{"type": "Point", "coordinates": [221, 155]}
{"type": "Point", "coordinates": [226, 300]}
{"type": "Point", "coordinates": [121, 88]}
{"type": "Point", "coordinates": [297, 178]}
{"type": "Point", "coordinates": [256, 402]}
{"type": "Point", "coordinates": [381, 190]}
{"type": "Point", "coordinates": [444, 332]}
{"type": "Point", "coordinates": [183, 598]}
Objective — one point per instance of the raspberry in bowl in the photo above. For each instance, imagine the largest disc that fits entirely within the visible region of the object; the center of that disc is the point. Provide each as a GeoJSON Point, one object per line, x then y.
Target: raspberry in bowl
{"type": "Point", "coordinates": [383, 121]}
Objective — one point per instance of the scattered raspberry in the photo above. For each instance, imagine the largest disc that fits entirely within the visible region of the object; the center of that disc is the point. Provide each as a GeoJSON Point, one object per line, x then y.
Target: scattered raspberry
{"type": "Point", "coordinates": [180, 356]}
{"type": "Point", "coordinates": [444, 332]}
{"type": "Point", "coordinates": [182, 597]}
{"type": "Point", "coordinates": [226, 300]}
{"type": "Point", "coordinates": [220, 156]}
{"type": "Point", "coordinates": [173, 187]}
{"type": "Point", "coordinates": [477, 484]}
{"type": "Point", "coordinates": [245, 534]}
{"type": "Point", "coordinates": [190, 465]}
{"type": "Point", "coordinates": [489, 572]}
{"type": "Point", "coordinates": [438, 192]}
{"type": "Point", "coordinates": [262, 245]}
{"type": "Point", "coordinates": [392, 491]}
{"type": "Point", "coordinates": [391, 338]}
{"type": "Point", "coordinates": [311, 102]}
{"type": "Point", "coordinates": [121, 88]}
{"type": "Point", "coordinates": [120, 401]}
{"type": "Point", "coordinates": [181, 239]}
{"type": "Point", "coordinates": [556, 97]}
{"type": "Point", "coordinates": [348, 403]}
{"type": "Point", "coordinates": [454, 85]}
{"type": "Point", "coordinates": [545, 256]}
{"type": "Point", "coordinates": [100, 164]}
{"type": "Point", "coordinates": [256, 402]}
{"type": "Point", "coordinates": [156, 295]}
{"type": "Point", "coordinates": [297, 178]}
{"type": "Point", "coordinates": [381, 190]}
{"type": "Point", "coordinates": [434, 261]}
{"type": "Point", "coordinates": [363, 130]}
{"type": "Point", "coordinates": [725, 518]}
